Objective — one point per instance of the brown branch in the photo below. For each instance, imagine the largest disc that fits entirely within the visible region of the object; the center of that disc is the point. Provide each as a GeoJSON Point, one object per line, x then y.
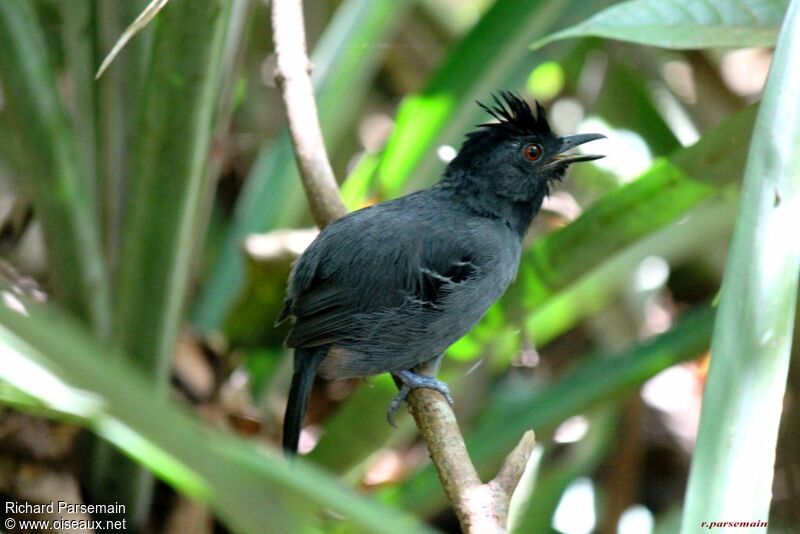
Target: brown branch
{"type": "Point", "coordinates": [479, 507]}
{"type": "Point", "coordinates": [292, 76]}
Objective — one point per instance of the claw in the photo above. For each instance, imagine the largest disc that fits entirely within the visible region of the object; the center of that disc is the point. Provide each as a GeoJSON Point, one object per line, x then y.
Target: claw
{"type": "Point", "coordinates": [394, 406]}
{"type": "Point", "coordinates": [412, 381]}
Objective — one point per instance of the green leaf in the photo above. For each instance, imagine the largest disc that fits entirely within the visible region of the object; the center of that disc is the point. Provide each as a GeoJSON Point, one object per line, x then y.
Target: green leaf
{"type": "Point", "coordinates": [167, 187]}
{"type": "Point", "coordinates": [683, 24]}
{"type": "Point", "coordinates": [78, 44]}
{"type": "Point", "coordinates": [119, 104]}
{"type": "Point", "coordinates": [252, 489]}
{"type": "Point", "coordinates": [733, 464]}
{"type": "Point", "coordinates": [61, 193]}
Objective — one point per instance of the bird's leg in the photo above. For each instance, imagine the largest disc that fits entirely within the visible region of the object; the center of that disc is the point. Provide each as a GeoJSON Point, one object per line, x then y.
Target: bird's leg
{"type": "Point", "coordinates": [412, 380]}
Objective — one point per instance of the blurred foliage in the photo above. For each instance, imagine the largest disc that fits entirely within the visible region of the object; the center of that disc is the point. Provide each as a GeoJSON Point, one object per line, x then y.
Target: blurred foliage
{"type": "Point", "coordinates": [138, 304]}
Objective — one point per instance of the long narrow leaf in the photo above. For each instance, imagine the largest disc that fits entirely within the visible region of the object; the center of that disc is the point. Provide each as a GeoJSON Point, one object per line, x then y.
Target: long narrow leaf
{"type": "Point", "coordinates": [119, 104]}
{"type": "Point", "coordinates": [79, 51]}
{"type": "Point", "coordinates": [732, 469]}
{"type": "Point", "coordinates": [167, 179]}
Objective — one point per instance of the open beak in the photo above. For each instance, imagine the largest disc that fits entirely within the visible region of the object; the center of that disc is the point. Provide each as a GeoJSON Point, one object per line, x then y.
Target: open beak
{"type": "Point", "coordinates": [571, 141]}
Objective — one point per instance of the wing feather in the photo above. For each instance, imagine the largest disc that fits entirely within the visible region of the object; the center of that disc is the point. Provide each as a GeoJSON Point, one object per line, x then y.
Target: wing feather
{"type": "Point", "coordinates": [363, 275]}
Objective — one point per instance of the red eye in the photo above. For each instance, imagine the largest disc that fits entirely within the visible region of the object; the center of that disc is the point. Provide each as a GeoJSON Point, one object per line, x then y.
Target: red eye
{"type": "Point", "coordinates": [532, 152]}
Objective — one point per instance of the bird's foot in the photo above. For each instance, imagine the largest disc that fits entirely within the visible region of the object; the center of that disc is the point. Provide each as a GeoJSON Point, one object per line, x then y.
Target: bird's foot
{"type": "Point", "coordinates": [411, 380]}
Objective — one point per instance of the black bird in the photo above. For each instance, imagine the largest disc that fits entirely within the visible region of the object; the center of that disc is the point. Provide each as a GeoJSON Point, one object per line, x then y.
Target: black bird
{"type": "Point", "coordinates": [389, 287]}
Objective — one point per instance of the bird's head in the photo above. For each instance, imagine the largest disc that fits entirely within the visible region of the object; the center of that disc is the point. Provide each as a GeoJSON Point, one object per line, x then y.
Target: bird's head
{"type": "Point", "coordinates": [518, 156]}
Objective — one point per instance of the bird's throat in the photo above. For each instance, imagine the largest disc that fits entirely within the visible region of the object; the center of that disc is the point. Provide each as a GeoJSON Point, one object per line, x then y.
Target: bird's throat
{"type": "Point", "coordinates": [517, 214]}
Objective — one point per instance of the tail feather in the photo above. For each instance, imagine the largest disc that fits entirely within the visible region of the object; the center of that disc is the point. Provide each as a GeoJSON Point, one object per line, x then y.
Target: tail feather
{"type": "Point", "coordinates": [306, 363]}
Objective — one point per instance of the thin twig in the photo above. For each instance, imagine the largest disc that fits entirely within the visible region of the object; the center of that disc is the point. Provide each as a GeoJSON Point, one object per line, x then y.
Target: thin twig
{"type": "Point", "coordinates": [479, 507]}
{"type": "Point", "coordinates": [292, 76]}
